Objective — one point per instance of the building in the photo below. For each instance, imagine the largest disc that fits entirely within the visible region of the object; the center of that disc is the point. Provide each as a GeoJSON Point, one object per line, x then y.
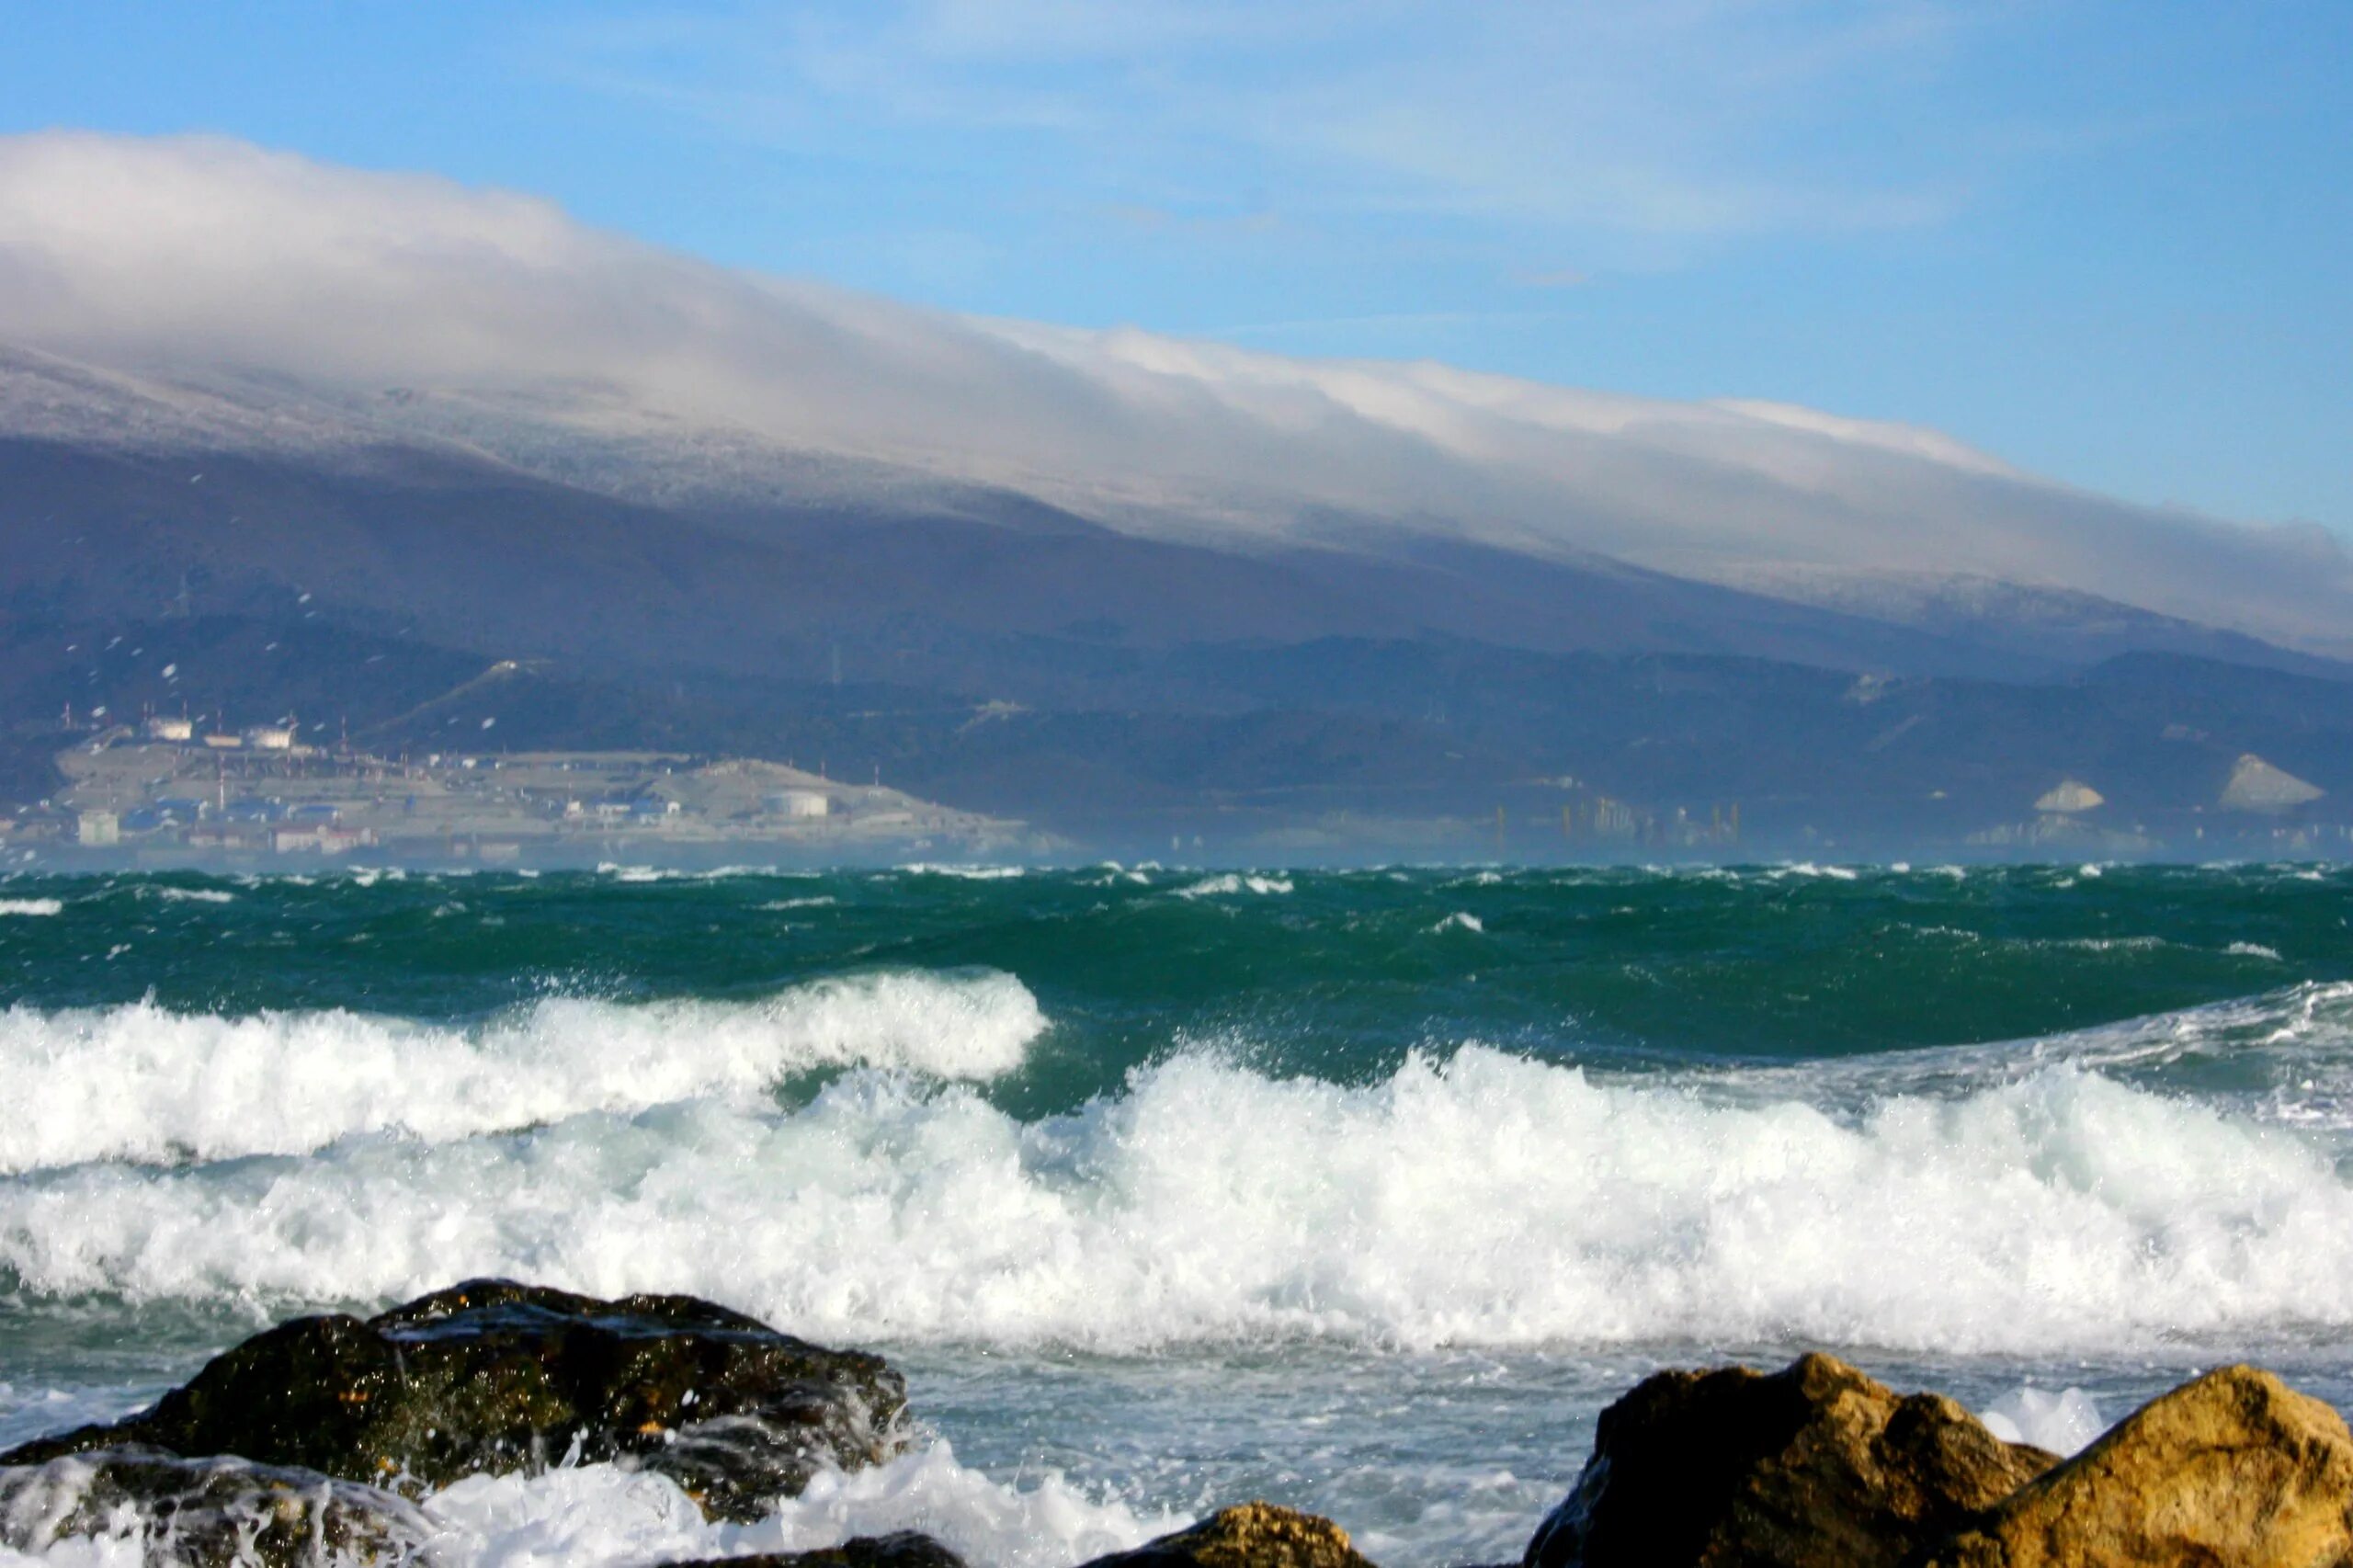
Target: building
{"type": "Point", "coordinates": [97, 830]}
{"type": "Point", "coordinates": [269, 737]}
{"type": "Point", "coordinates": [214, 837]}
{"type": "Point", "coordinates": [160, 728]}
{"type": "Point", "coordinates": [798, 803]}
{"type": "Point", "coordinates": [1615, 819]}
{"type": "Point", "coordinates": [322, 838]}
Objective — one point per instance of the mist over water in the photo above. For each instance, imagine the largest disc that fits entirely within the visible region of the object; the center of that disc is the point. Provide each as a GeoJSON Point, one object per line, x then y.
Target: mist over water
{"type": "Point", "coordinates": [1364, 1191]}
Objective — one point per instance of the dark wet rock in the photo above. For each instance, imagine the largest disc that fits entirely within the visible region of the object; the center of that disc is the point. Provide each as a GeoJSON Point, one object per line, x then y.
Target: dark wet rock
{"type": "Point", "coordinates": [1815, 1466]}
{"type": "Point", "coordinates": [492, 1376]}
{"type": "Point", "coordinates": [902, 1549]}
{"type": "Point", "coordinates": [208, 1513]}
{"type": "Point", "coordinates": [2236, 1468]}
{"type": "Point", "coordinates": [1251, 1534]}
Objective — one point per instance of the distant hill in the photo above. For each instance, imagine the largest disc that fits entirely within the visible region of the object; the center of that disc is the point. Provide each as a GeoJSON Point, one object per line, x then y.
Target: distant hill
{"type": "Point", "coordinates": [1002, 654]}
{"type": "Point", "coordinates": [431, 456]}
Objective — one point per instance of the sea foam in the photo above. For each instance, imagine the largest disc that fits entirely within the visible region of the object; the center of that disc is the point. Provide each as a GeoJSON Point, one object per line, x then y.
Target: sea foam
{"type": "Point", "coordinates": [1232, 883]}
{"type": "Point", "coordinates": [1484, 1199]}
{"type": "Point", "coordinates": [143, 1083]}
{"type": "Point", "coordinates": [2066, 1422]}
{"type": "Point", "coordinates": [601, 1514]}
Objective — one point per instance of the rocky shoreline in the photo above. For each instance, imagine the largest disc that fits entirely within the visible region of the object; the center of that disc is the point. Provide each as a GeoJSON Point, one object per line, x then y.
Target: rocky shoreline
{"type": "Point", "coordinates": [323, 1440]}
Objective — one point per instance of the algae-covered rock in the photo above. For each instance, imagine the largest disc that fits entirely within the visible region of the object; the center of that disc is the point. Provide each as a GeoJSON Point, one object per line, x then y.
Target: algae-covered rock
{"type": "Point", "coordinates": [901, 1548]}
{"type": "Point", "coordinates": [2236, 1468]}
{"type": "Point", "coordinates": [1814, 1465]}
{"type": "Point", "coordinates": [1251, 1534]}
{"type": "Point", "coordinates": [493, 1375]}
{"type": "Point", "coordinates": [208, 1513]}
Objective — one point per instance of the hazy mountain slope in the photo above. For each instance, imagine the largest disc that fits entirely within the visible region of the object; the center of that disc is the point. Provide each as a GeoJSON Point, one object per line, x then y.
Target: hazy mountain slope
{"type": "Point", "coordinates": [123, 490]}
{"type": "Point", "coordinates": [1095, 577]}
{"type": "Point", "coordinates": [466, 552]}
{"type": "Point", "coordinates": [426, 310]}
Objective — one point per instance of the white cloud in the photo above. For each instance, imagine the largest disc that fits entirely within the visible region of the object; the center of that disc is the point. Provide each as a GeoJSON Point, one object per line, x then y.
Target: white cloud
{"type": "Point", "coordinates": [1667, 117]}
{"type": "Point", "coordinates": [211, 255]}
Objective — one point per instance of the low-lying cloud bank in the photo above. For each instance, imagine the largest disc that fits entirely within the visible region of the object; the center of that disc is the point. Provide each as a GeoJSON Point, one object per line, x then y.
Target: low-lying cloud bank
{"type": "Point", "coordinates": [195, 254]}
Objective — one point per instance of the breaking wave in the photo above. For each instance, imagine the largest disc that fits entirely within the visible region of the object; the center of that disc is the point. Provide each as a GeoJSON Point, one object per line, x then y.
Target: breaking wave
{"type": "Point", "coordinates": [1233, 882]}
{"type": "Point", "coordinates": [600, 1513]}
{"type": "Point", "coordinates": [1487, 1199]}
{"type": "Point", "coordinates": [141, 1083]}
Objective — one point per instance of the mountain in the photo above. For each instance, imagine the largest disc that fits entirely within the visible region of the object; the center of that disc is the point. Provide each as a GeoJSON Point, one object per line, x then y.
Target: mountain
{"type": "Point", "coordinates": [1131, 584]}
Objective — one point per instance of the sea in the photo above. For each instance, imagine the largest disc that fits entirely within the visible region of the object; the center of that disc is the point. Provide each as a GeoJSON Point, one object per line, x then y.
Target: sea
{"type": "Point", "coordinates": [1359, 1191]}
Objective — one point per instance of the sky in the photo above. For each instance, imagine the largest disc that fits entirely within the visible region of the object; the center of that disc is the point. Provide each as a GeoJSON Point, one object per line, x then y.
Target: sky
{"type": "Point", "coordinates": [2109, 243]}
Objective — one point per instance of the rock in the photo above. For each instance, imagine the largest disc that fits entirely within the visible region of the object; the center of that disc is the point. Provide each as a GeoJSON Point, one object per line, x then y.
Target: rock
{"type": "Point", "coordinates": [2234, 1468]}
{"type": "Point", "coordinates": [492, 1376]}
{"type": "Point", "coordinates": [1252, 1535]}
{"type": "Point", "coordinates": [207, 1513]}
{"type": "Point", "coordinates": [1811, 1467]}
{"type": "Point", "coordinates": [902, 1549]}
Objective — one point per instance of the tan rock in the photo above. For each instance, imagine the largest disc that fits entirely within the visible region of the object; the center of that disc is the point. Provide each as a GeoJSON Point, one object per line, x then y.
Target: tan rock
{"type": "Point", "coordinates": [1252, 1535]}
{"type": "Point", "coordinates": [2235, 1469]}
{"type": "Point", "coordinates": [1811, 1467]}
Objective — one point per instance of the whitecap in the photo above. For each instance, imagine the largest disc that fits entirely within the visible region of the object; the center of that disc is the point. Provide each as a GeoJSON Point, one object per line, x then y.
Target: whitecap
{"type": "Point", "coordinates": [1482, 1200]}
{"type": "Point", "coordinates": [965, 873]}
{"type": "Point", "coordinates": [1231, 883]}
{"type": "Point", "coordinates": [140, 1081]}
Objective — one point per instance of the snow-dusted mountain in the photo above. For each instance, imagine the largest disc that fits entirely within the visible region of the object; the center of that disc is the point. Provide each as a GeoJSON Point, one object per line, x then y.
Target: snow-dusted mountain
{"type": "Point", "coordinates": [275, 302]}
{"type": "Point", "coordinates": [320, 440]}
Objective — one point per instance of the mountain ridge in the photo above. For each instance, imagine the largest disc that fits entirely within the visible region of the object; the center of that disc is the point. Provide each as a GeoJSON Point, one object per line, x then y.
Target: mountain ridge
{"type": "Point", "coordinates": [422, 311]}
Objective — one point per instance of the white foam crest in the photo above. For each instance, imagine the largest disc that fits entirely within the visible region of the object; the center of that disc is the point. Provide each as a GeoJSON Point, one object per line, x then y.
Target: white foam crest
{"type": "Point", "coordinates": [965, 873]}
{"type": "Point", "coordinates": [191, 895]}
{"type": "Point", "coordinates": [601, 1514]}
{"type": "Point", "coordinates": [2066, 1422]}
{"type": "Point", "coordinates": [49, 1514]}
{"type": "Point", "coordinates": [620, 873]}
{"type": "Point", "coordinates": [1488, 1200]}
{"type": "Point", "coordinates": [1232, 883]}
{"type": "Point", "coordinates": [2291, 1049]}
{"type": "Point", "coordinates": [1459, 921]}
{"type": "Point", "coordinates": [124, 1549]}
{"type": "Point", "coordinates": [32, 906]}
{"type": "Point", "coordinates": [1048, 1525]}
{"type": "Point", "coordinates": [143, 1083]}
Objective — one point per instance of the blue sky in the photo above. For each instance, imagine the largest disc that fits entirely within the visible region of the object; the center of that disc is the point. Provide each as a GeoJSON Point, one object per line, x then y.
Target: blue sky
{"type": "Point", "coordinates": [2109, 242]}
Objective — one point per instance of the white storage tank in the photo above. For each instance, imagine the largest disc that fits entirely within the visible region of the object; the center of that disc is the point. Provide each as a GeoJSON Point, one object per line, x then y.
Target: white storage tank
{"type": "Point", "coordinates": [798, 803]}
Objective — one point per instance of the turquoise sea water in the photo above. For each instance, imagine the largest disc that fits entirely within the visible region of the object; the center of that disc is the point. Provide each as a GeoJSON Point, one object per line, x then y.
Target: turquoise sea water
{"type": "Point", "coordinates": [1361, 1190]}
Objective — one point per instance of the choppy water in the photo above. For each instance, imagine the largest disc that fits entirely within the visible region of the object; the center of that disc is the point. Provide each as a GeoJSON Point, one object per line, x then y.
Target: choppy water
{"type": "Point", "coordinates": [1361, 1191]}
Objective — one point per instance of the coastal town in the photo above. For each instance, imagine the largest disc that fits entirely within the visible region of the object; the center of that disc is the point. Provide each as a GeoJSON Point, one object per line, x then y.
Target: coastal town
{"type": "Point", "coordinates": [169, 788]}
